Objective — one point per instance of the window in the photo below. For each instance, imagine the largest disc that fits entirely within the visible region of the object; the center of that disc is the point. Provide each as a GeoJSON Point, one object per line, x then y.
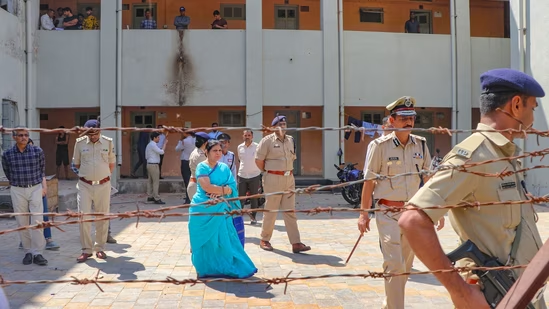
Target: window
{"type": "Point", "coordinates": [232, 119]}
{"type": "Point", "coordinates": [10, 119]}
{"type": "Point", "coordinates": [81, 118]}
{"type": "Point", "coordinates": [374, 117]}
{"type": "Point", "coordinates": [371, 15]}
{"type": "Point", "coordinates": [233, 11]}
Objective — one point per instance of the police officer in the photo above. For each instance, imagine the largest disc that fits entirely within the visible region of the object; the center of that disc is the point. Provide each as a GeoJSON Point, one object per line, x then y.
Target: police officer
{"type": "Point", "coordinates": [94, 157]}
{"type": "Point", "coordinates": [275, 157]}
{"type": "Point", "coordinates": [198, 155]}
{"type": "Point", "coordinates": [507, 101]}
{"type": "Point", "coordinates": [228, 156]}
{"type": "Point", "coordinates": [393, 154]}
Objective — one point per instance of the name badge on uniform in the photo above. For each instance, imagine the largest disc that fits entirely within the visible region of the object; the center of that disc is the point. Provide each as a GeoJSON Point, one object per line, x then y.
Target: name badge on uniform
{"type": "Point", "coordinates": [393, 158]}
{"type": "Point", "coordinates": [418, 155]}
{"type": "Point", "coordinates": [508, 185]}
{"type": "Point", "coordinates": [86, 150]}
{"type": "Point", "coordinates": [276, 146]}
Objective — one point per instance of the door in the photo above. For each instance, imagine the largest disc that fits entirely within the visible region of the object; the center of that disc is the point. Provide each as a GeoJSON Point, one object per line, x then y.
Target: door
{"type": "Point", "coordinates": [10, 119]}
{"type": "Point", "coordinates": [138, 13]}
{"type": "Point", "coordinates": [425, 120]}
{"type": "Point", "coordinates": [286, 17]}
{"type": "Point", "coordinates": [139, 120]}
{"type": "Point", "coordinates": [292, 121]}
{"type": "Point", "coordinates": [424, 19]}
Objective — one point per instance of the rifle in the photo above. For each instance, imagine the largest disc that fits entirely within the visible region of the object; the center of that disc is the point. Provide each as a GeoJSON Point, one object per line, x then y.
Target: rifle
{"type": "Point", "coordinates": [495, 283]}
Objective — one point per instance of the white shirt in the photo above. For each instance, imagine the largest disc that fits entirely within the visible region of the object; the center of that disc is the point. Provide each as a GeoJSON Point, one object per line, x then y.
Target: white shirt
{"type": "Point", "coordinates": [230, 160]}
{"type": "Point", "coordinates": [161, 141]}
{"type": "Point", "coordinates": [152, 153]}
{"type": "Point", "coordinates": [248, 169]}
{"type": "Point", "coordinates": [46, 22]}
{"type": "Point", "coordinates": [186, 146]}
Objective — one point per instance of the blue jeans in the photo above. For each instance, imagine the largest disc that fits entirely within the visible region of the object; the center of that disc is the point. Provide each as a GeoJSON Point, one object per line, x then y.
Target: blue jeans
{"type": "Point", "coordinates": [47, 231]}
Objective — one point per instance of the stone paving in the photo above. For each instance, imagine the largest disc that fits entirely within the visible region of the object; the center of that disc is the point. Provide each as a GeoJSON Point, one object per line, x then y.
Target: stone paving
{"type": "Point", "coordinates": [156, 250]}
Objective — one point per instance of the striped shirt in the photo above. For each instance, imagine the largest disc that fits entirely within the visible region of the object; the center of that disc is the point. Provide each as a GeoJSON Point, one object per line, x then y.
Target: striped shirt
{"type": "Point", "coordinates": [25, 168]}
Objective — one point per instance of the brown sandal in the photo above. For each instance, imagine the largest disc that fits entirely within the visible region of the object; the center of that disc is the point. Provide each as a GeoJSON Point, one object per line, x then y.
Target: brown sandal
{"type": "Point", "coordinates": [83, 257]}
{"type": "Point", "coordinates": [101, 255]}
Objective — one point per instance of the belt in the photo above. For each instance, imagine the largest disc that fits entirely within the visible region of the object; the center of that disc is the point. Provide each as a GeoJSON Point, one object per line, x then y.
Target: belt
{"type": "Point", "coordinates": [192, 179]}
{"type": "Point", "coordinates": [385, 202]}
{"type": "Point", "coordinates": [281, 173]}
{"type": "Point", "coordinates": [26, 186]}
{"type": "Point", "coordinates": [96, 182]}
{"type": "Point", "coordinates": [153, 163]}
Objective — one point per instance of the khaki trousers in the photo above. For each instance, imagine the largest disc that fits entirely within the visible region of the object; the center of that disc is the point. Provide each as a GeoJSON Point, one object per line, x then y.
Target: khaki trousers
{"type": "Point", "coordinates": [274, 183]}
{"type": "Point", "coordinates": [154, 181]}
{"type": "Point", "coordinates": [29, 200]}
{"type": "Point", "coordinates": [191, 188]}
{"type": "Point", "coordinates": [100, 196]}
{"type": "Point", "coordinates": [397, 257]}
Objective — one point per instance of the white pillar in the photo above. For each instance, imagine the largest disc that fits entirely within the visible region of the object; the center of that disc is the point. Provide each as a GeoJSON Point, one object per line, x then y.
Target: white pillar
{"type": "Point", "coordinates": [107, 70]}
{"type": "Point", "coordinates": [537, 65]}
{"type": "Point", "coordinates": [330, 85]}
{"type": "Point", "coordinates": [463, 52]}
{"type": "Point", "coordinates": [31, 10]}
{"type": "Point", "coordinates": [254, 66]}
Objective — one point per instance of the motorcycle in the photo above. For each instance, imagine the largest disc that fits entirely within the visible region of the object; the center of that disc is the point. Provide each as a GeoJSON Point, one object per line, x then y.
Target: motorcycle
{"type": "Point", "coordinates": [353, 193]}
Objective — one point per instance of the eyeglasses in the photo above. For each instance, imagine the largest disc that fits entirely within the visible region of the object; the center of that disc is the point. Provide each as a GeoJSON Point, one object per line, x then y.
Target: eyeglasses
{"type": "Point", "coordinates": [22, 135]}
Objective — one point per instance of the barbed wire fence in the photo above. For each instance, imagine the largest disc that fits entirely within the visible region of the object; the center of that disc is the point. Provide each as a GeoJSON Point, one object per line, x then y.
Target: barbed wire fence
{"type": "Point", "coordinates": [165, 212]}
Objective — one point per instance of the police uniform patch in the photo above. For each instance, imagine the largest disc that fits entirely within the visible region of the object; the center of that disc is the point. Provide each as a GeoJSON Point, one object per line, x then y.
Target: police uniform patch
{"type": "Point", "coordinates": [418, 155]}
{"type": "Point", "coordinates": [393, 158]}
{"type": "Point", "coordinates": [276, 146]}
{"type": "Point", "coordinates": [508, 185]}
{"type": "Point", "coordinates": [462, 152]}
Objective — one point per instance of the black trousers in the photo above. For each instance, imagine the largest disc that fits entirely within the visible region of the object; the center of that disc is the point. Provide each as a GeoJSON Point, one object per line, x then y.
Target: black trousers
{"type": "Point", "coordinates": [160, 164]}
{"type": "Point", "coordinates": [252, 185]}
{"type": "Point", "coordinates": [186, 173]}
{"type": "Point", "coordinates": [142, 162]}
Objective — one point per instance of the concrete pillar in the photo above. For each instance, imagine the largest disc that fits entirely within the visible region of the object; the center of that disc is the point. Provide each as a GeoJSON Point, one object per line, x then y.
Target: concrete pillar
{"type": "Point", "coordinates": [29, 111]}
{"type": "Point", "coordinates": [254, 66]}
{"type": "Point", "coordinates": [463, 52]}
{"type": "Point", "coordinates": [330, 86]}
{"type": "Point", "coordinates": [537, 64]}
{"type": "Point", "coordinates": [107, 69]}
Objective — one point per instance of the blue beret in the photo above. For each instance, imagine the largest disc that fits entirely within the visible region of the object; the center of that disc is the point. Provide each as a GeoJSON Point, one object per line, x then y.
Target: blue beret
{"type": "Point", "coordinates": [92, 123]}
{"type": "Point", "coordinates": [278, 119]}
{"type": "Point", "coordinates": [509, 80]}
{"type": "Point", "coordinates": [203, 135]}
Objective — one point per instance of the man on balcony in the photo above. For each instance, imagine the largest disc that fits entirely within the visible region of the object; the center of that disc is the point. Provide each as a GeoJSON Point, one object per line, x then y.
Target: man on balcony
{"type": "Point", "coordinates": [182, 21]}
{"type": "Point", "coordinates": [148, 22]}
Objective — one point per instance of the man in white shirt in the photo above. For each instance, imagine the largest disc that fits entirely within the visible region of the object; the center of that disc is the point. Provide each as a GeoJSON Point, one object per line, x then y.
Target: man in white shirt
{"type": "Point", "coordinates": [228, 156]}
{"type": "Point", "coordinates": [186, 146]}
{"type": "Point", "coordinates": [215, 133]}
{"type": "Point", "coordinates": [46, 21]}
{"type": "Point", "coordinates": [160, 144]}
{"type": "Point", "coordinates": [249, 175]}
{"type": "Point", "coordinates": [152, 155]}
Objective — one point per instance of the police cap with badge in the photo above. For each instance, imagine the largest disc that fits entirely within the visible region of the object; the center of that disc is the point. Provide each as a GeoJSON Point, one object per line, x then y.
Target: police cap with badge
{"type": "Point", "coordinates": [278, 119]}
{"type": "Point", "coordinates": [510, 81]}
{"type": "Point", "coordinates": [224, 137]}
{"type": "Point", "coordinates": [404, 106]}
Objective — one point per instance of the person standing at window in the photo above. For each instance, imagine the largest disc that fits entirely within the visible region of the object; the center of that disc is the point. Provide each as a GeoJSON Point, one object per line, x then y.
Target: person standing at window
{"type": "Point", "coordinates": [182, 21]}
{"type": "Point", "coordinates": [148, 22]}
{"type": "Point", "coordinates": [411, 25]}
{"type": "Point", "coordinates": [219, 23]}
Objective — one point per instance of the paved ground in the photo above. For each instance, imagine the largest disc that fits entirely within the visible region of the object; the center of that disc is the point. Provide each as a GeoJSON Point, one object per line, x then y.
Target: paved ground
{"type": "Point", "coordinates": [155, 250]}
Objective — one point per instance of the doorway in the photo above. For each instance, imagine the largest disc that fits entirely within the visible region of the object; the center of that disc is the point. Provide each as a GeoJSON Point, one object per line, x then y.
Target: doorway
{"type": "Point", "coordinates": [138, 13]}
{"type": "Point", "coordinates": [139, 120]}
{"type": "Point", "coordinates": [425, 20]}
{"type": "Point", "coordinates": [286, 17]}
{"type": "Point", "coordinates": [292, 121]}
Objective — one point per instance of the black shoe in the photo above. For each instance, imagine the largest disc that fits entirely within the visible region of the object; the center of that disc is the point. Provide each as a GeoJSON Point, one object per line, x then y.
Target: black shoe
{"type": "Point", "coordinates": [28, 259]}
{"type": "Point", "coordinates": [40, 260]}
{"type": "Point", "coordinates": [159, 202]}
{"type": "Point", "coordinates": [150, 199]}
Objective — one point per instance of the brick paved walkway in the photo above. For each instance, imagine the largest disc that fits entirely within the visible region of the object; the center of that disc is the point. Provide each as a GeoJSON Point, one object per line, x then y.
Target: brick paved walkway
{"type": "Point", "coordinates": [156, 250]}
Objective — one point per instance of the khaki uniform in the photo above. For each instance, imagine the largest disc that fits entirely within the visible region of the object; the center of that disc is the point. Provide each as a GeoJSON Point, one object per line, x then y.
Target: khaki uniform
{"type": "Point", "coordinates": [196, 157]}
{"type": "Point", "coordinates": [279, 156]}
{"type": "Point", "coordinates": [387, 156]}
{"type": "Point", "coordinates": [94, 160]}
{"type": "Point", "coordinates": [491, 228]}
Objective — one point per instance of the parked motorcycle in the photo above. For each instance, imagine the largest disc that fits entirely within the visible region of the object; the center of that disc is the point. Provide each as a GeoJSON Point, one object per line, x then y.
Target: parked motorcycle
{"type": "Point", "coordinates": [353, 193]}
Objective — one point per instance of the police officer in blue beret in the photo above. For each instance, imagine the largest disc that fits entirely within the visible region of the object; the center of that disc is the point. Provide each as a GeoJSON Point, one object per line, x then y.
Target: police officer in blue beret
{"type": "Point", "coordinates": [505, 232]}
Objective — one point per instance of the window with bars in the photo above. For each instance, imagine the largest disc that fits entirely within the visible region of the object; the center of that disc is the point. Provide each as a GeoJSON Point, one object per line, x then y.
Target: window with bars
{"type": "Point", "coordinates": [232, 118]}
{"type": "Point", "coordinates": [371, 15]}
{"type": "Point", "coordinates": [374, 117]}
{"type": "Point", "coordinates": [233, 11]}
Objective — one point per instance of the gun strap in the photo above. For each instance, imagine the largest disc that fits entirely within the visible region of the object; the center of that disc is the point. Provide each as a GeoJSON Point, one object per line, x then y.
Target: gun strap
{"type": "Point", "coordinates": [515, 245]}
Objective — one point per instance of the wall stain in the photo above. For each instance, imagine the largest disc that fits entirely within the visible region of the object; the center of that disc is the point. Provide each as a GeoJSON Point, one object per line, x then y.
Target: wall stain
{"type": "Point", "coordinates": [182, 82]}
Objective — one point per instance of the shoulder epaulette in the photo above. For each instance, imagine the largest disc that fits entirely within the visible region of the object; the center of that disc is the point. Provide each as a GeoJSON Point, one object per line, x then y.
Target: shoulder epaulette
{"type": "Point", "coordinates": [466, 148]}
{"type": "Point", "coordinates": [107, 138]}
{"type": "Point", "coordinates": [81, 139]}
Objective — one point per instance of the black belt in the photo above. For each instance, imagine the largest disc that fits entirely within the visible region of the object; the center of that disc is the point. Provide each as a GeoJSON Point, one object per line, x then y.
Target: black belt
{"type": "Point", "coordinates": [26, 186]}
{"type": "Point", "coordinates": [153, 163]}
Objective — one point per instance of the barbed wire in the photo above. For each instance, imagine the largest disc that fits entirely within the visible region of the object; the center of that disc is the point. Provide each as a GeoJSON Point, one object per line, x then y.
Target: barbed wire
{"type": "Point", "coordinates": [173, 129]}
{"type": "Point", "coordinates": [270, 281]}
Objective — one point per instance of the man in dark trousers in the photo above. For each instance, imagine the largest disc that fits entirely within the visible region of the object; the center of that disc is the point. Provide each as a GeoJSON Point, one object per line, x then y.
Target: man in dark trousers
{"type": "Point", "coordinates": [142, 143]}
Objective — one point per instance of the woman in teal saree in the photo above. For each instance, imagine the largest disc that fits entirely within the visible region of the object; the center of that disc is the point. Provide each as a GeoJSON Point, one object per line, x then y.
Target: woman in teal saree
{"type": "Point", "coordinates": [216, 248]}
